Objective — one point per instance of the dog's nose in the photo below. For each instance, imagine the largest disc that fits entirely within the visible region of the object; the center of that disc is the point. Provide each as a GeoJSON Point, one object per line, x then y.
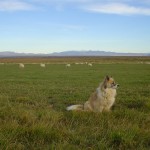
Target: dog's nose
{"type": "Point", "coordinates": [118, 85]}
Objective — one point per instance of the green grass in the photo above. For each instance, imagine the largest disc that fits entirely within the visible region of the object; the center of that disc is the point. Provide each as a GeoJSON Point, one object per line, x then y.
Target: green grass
{"type": "Point", "coordinates": [28, 120]}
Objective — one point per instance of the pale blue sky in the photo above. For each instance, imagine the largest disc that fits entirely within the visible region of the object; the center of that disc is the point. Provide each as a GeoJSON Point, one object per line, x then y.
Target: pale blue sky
{"type": "Point", "coordinates": [45, 26]}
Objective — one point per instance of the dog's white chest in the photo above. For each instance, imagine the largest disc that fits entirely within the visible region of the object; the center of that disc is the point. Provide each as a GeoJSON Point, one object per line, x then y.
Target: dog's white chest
{"type": "Point", "coordinates": [106, 98]}
{"type": "Point", "coordinates": [110, 93]}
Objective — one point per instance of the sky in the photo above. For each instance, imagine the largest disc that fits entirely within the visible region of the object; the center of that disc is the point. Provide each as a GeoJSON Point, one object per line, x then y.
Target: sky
{"type": "Point", "coordinates": [46, 26]}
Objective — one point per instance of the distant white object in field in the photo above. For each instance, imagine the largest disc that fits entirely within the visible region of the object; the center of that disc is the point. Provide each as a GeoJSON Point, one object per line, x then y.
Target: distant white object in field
{"type": "Point", "coordinates": [76, 63]}
{"type": "Point", "coordinates": [21, 65]}
{"type": "Point", "coordinates": [81, 63]}
{"type": "Point", "coordinates": [42, 65]}
{"type": "Point", "coordinates": [68, 65]}
{"type": "Point", "coordinates": [89, 64]}
{"type": "Point", "coordinates": [147, 63]}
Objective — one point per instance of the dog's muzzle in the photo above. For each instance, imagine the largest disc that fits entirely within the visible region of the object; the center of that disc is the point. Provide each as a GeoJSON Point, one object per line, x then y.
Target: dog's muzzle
{"type": "Point", "coordinates": [115, 86]}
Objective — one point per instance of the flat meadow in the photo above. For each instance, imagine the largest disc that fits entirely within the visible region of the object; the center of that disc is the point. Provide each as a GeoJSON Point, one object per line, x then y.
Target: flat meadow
{"type": "Point", "coordinates": [33, 103]}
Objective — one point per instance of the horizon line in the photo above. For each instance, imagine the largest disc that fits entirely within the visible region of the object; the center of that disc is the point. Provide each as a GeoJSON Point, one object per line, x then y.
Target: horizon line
{"type": "Point", "coordinates": [105, 51]}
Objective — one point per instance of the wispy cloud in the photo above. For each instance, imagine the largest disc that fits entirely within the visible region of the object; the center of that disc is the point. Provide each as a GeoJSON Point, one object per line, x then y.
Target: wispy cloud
{"type": "Point", "coordinates": [65, 1]}
{"type": "Point", "coordinates": [69, 27]}
{"type": "Point", "coordinates": [121, 7]}
{"type": "Point", "coordinates": [25, 5]}
{"type": "Point", "coordinates": [118, 8]}
{"type": "Point", "coordinates": [15, 5]}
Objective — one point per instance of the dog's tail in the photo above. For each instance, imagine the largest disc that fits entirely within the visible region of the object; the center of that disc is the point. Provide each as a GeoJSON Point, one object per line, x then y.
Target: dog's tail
{"type": "Point", "coordinates": [75, 107]}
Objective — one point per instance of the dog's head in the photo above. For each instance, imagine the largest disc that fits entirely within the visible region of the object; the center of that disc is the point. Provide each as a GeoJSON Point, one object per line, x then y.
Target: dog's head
{"type": "Point", "coordinates": [110, 83]}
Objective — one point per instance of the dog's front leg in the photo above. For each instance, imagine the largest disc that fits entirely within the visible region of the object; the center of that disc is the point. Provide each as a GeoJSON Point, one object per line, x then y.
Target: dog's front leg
{"type": "Point", "coordinates": [101, 108]}
{"type": "Point", "coordinates": [107, 109]}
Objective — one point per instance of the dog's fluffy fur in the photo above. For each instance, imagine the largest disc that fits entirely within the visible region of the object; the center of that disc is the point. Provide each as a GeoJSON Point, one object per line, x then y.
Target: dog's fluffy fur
{"type": "Point", "coordinates": [102, 99]}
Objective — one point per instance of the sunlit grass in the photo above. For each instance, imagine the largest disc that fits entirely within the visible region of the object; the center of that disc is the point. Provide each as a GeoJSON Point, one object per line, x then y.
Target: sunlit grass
{"type": "Point", "coordinates": [33, 102]}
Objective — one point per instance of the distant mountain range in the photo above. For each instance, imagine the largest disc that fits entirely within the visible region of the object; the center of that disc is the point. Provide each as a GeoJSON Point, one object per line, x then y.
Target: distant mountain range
{"type": "Point", "coordinates": [70, 53]}
{"type": "Point", "coordinates": [97, 53]}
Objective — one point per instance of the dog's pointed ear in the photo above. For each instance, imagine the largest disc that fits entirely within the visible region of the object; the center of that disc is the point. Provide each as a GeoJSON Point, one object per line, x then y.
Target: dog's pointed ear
{"type": "Point", "coordinates": [107, 78]}
{"type": "Point", "coordinates": [104, 86]}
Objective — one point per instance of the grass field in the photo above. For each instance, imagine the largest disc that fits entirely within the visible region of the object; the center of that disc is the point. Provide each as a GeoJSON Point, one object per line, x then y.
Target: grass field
{"type": "Point", "coordinates": [33, 102]}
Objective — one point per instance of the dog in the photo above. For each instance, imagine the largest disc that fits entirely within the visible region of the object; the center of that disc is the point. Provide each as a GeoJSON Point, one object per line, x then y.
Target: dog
{"type": "Point", "coordinates": [101, 100]}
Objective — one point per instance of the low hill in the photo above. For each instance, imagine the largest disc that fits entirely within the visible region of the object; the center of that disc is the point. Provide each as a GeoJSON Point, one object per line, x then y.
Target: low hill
{"type": "Point", "coordinates": [71, 53]}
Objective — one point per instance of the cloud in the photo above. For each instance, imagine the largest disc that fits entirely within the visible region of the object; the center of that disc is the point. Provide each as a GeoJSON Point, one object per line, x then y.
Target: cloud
{"type": "Point", "coordinates": [26, 5]}
{"type": "Point", "coordinates": [15, 5]}
{"type": "Point", "coordinates": [118, 8]}
{"type": "Point", "coordinates": [65, 1]}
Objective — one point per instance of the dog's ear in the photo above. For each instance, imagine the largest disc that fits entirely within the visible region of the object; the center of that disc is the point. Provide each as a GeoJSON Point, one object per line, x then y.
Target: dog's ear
{"type": "Point", "coordinates": [104, 85]}
{"type": "Point", "coordinates": [107, 78]}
